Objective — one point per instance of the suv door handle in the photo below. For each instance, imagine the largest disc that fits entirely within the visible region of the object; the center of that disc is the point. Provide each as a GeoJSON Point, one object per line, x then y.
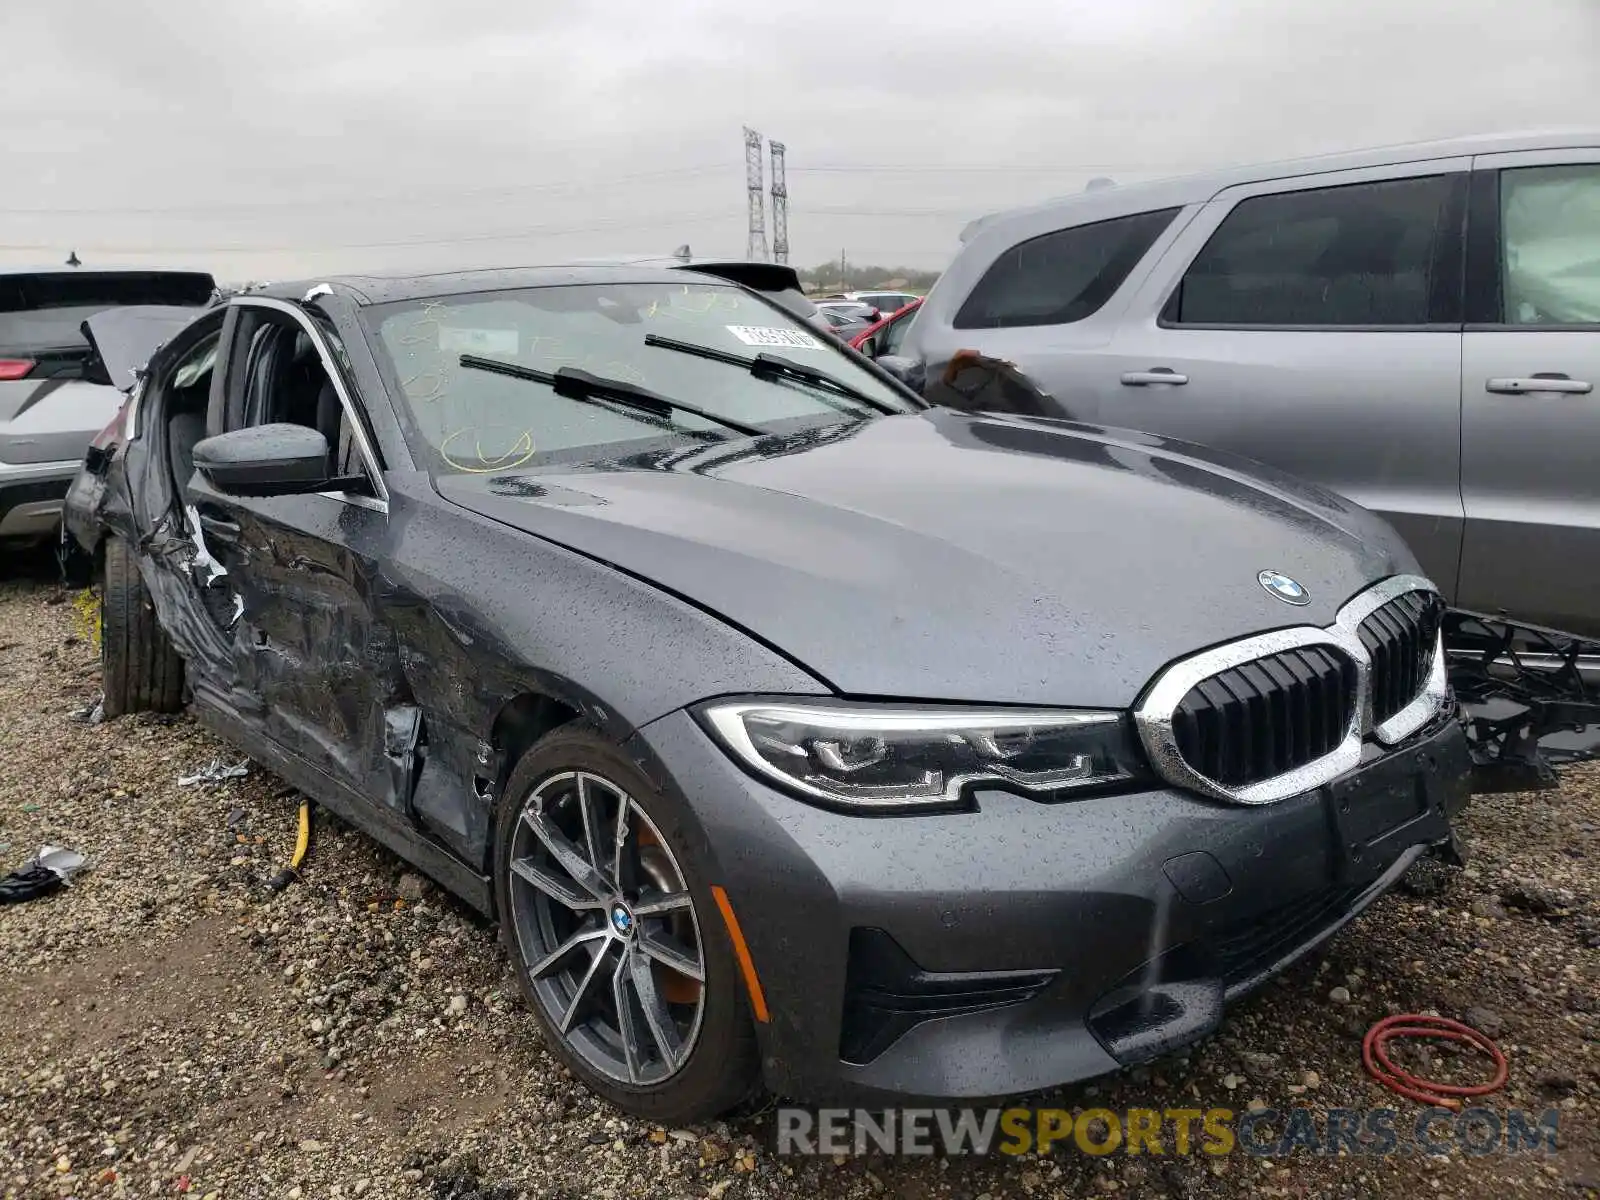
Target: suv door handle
{"type": "Point", "coordinates": [1154, 375]}
{"type": "Point", "coordinates": [1551, 382]}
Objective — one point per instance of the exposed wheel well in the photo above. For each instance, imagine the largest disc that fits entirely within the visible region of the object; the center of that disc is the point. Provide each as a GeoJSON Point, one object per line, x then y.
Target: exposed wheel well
{"type": "Point", "coordinates": [521, 723]}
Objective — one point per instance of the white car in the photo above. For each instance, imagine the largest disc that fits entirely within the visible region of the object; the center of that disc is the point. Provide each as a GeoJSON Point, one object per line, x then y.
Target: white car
{"type": "Point", "coordinates": [887, 303]}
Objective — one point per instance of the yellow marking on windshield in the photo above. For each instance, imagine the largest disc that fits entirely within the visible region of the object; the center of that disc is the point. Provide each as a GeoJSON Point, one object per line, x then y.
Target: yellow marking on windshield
{"type": "Point", "coordinates": [522, 449]}
{"type": "Point", "coordinates": [439, 385]}
{"type": "Point", "coordinates": [694, 303]}
{"type": "Point", "coordinates": [432, 318]}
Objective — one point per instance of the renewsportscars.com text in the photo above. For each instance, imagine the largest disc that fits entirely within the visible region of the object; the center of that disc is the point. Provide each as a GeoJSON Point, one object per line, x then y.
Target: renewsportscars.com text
{"type": "Point", "coordinates": [1171, 1131]}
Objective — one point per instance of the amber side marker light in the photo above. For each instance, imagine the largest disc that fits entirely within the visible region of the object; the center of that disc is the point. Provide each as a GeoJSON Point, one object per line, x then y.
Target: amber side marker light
{"type": "Point", "coordinates": [741, 951]}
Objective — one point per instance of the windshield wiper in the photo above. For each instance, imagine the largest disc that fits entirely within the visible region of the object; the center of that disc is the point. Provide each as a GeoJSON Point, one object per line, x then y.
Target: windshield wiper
{"type": "Point", "coordinates": [576, 384]}
{"type": "Point", "coordinates": [769, 366]}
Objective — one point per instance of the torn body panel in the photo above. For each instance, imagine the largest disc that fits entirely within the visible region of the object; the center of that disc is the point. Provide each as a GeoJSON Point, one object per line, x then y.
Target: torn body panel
{"type": "Point", "coordinates": [125, 339]}
{"type": "Point", "coordinates": [319, 668]}
{"type": "Point", "coordinates": [129, 487]}
{"type": "Point", "coordinates": [1530, 698]}
{"type": "Point", "coordinates": [482, 615]}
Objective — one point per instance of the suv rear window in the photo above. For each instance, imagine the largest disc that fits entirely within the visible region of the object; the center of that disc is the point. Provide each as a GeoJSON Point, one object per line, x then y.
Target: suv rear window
{"type": "Point", "coordinates": [1357, 254]}
{"type": "Point", "coordinates": [44, 311]}
{"type": "Point", "coordinates": [1061, 277]}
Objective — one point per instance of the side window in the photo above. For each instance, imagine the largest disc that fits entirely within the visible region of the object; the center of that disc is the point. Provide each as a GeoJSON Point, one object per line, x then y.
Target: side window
{"type": "Point", "coordinates": [1359, 254]}
{"type": "Point", "coordinates": [1550, 266]}
{"type": "Point", "coordinates": [894, 335]}
{"type": "Point", "coordinates": [283, 380]}
{"type": "Point", "coordinates": [1061, 277]}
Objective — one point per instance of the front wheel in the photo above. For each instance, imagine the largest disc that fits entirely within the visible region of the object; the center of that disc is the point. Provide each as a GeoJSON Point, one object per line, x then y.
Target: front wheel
{"type": "Point", "coordinates": [614, 937]}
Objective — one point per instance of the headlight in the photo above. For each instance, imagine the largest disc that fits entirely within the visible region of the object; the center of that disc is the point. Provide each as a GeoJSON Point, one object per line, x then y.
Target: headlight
{"type": "Point", "coordinates": [879, 758]}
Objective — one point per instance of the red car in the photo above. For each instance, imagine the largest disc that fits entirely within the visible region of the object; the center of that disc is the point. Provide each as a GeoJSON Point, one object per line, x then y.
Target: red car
{"type": "Point", "coordinates": [886, 334]}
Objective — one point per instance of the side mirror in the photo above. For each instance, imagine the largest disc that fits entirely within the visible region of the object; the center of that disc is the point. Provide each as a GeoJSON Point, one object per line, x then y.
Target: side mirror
{"type": "Point", "coordinates": [869, 347]}
{"type": "Point", "coordinates": [267, 460]}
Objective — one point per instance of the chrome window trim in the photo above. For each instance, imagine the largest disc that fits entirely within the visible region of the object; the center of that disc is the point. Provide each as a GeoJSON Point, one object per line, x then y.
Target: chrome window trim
{"type": "Point", "coordinates": [336, 375]}
{"type": "Point", "coordinates": [359, 501]}
{"type": "Point", "coordinates": [1153, 716]}
{"type": "Point", "coordinates": [135, 396]}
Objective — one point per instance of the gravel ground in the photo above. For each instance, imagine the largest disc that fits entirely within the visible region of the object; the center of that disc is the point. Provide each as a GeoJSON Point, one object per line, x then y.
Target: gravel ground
{"type": "Point", "coordinates": [167, 1026]}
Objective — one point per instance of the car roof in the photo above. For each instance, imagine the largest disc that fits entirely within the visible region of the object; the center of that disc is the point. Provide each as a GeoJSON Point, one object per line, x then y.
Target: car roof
{"type": "Point", "coordinates": [1178, 191]}
{"type": "Point", "coordinates": [383, 288]}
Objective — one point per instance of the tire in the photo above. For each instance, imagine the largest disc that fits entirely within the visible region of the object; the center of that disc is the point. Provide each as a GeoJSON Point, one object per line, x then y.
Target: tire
{"type": "Point", "coordinates": [716, 1055]}
{"type": "Point", "coordinates": [140, 669]}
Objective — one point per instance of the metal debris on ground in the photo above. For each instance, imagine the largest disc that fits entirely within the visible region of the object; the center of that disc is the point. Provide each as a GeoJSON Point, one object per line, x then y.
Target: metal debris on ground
{"type": "Point", "coordinates": [48, 871]}
{"type": "Point", "coordinates": [215, 772]}
{"type": "Point", "coordinates": [93, 714]}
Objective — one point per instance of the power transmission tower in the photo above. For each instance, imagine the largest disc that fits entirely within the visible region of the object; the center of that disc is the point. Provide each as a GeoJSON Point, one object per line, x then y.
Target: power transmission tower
{"type": "Point", "coordinates": [756, 244]}
{"type": "Point", "coordinates": [780, 206]}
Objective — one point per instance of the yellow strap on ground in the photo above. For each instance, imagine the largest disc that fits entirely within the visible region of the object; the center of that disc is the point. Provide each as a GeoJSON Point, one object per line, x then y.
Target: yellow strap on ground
{"type": "Point", "coordinates": [303, 840]}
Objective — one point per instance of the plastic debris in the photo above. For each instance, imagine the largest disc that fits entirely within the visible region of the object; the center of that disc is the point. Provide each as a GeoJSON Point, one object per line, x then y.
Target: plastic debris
{"type": "Point", "coordinates": [48, 871]}
{"type": "Point", "coordinates": [215, 772]}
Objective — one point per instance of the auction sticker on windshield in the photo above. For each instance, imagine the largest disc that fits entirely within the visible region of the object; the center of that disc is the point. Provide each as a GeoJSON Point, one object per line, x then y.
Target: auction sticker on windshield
{"type": "Point", "coordinates": [762, 335]}
{"type": "Point", "coordinates": [495, 341]}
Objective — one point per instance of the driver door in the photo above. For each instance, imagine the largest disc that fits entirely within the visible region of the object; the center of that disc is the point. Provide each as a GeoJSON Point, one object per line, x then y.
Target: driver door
{"type": "Point", "coordinates": [318, 670]}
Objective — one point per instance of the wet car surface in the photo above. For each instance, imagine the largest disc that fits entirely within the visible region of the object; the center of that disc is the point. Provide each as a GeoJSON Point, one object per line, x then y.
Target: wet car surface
{"type": "Point", "coordinates": [795, 732]}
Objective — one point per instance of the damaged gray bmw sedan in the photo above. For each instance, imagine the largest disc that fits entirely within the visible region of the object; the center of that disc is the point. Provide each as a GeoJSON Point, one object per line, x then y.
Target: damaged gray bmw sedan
{"type": "Point", "coordinates": [797, 734]}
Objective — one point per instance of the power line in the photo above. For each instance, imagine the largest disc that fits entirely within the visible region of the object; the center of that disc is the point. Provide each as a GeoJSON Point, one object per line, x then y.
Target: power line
{"type": "Point", "coordinates": [437, 200]}
{"type": "Point", "coordinates": [664, 223]}
{"type": "Point", "coordinates": [440, 199]}
{"type": "Point", "coordinates": [851, 210]}
{"type": "Point", "coordinates": [443, 198]}
{"type": "Point", "coordinates": [996, 169]}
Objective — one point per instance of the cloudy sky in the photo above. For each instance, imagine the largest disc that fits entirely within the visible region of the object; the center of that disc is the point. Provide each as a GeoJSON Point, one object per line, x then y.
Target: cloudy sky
{"type": "Point", "coordinates": [307, 136]}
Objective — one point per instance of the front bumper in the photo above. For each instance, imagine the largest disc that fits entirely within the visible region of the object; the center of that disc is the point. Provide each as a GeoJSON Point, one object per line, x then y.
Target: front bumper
{"type": "Point", "coordinates": [31, 495]}
{"type": "Point", "coordinates": [1025, 945]}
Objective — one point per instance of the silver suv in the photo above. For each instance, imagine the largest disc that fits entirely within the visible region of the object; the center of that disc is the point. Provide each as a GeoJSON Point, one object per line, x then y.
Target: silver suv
{"type": "Point", "coordinates": [1416, 327]}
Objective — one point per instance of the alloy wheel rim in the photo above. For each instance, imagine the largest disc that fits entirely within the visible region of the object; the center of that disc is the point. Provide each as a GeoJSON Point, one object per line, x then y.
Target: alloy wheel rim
{"type": "Point", "coordinates": [605, 923]}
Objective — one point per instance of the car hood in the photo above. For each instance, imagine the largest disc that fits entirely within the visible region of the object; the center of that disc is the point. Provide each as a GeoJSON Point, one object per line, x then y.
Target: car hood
{"type": "Point", "coordinates": [945, 556]}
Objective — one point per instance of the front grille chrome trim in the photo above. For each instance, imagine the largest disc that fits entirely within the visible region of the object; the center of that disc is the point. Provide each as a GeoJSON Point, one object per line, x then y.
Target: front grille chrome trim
{"type": "Point", "coordinates": [1154, 716]}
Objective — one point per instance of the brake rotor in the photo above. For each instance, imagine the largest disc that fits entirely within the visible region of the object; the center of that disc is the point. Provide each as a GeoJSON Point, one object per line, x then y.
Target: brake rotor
{"type": "Point", "coordinates": [675, 987]}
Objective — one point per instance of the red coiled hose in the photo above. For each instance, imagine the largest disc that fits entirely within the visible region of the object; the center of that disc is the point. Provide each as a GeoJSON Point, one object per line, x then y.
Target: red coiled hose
{"type": "Point", "coordinates": [1375, 1057]}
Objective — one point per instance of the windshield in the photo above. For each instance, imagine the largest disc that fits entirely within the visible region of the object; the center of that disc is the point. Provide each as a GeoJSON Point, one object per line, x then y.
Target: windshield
{"type": "Point", "coordinates": [474, 420]}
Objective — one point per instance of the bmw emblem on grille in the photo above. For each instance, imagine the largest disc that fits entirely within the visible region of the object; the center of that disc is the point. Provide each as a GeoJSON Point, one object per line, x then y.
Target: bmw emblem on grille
{"type": "Point", "coordinates": [1284, 588]}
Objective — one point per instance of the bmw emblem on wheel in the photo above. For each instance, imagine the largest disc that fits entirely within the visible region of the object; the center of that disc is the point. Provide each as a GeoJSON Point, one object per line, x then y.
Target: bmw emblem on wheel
{"type": "Point", "coordinates": [1284, 588]}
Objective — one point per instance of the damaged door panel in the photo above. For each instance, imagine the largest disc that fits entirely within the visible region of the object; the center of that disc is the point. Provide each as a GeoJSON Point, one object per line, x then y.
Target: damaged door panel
{"type": "Point", "coordinates": [139, 466]}
{"type": "Point", "coordinates": [404, 751]}
{"type": "Point", "coordinates": [323, 670]}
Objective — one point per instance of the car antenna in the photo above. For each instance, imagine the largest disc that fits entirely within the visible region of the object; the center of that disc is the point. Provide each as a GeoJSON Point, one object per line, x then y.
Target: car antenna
{"type": "Point", "coordinates": [73, 260]}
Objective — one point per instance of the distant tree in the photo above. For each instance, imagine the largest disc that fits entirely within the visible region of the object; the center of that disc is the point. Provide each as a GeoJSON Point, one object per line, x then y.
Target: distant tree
{"type": "Point", "coordinates": [865, 277]}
